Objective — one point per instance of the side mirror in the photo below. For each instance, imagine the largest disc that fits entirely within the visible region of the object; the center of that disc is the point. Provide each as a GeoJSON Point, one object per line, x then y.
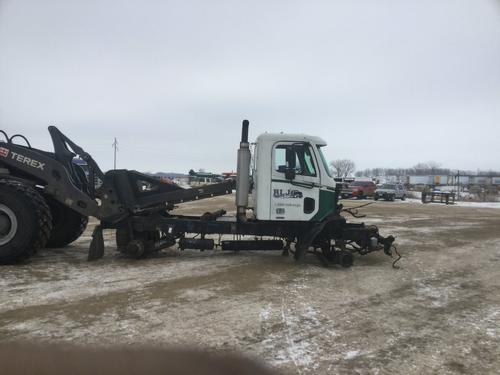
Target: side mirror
{"type": "Point", "coordinates": [290, 157]}
{"type": "Point", "coordinates": [290, 173]}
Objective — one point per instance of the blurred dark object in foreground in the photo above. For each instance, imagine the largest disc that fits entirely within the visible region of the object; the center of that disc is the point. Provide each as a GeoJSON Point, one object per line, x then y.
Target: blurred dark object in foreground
{"type": "Point", "coordinates": [58, 360]}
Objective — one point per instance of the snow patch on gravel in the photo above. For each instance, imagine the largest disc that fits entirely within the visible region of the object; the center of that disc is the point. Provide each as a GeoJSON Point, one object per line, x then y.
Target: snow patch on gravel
{"type": "Point", "coordinates": [479, 204]}
{"type": "Point", "coordinates": [351, 354]}
{"type": "Point", "coordinates": [459, 203]}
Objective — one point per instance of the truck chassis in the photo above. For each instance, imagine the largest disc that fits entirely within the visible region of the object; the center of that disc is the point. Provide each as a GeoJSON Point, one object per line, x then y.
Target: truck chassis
{"type": "Point", "coordinates": [139, 208]}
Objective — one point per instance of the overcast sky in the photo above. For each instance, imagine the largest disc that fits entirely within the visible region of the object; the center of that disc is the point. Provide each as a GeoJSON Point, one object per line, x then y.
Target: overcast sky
{"type": "Point", "coordinates": [385, 83]}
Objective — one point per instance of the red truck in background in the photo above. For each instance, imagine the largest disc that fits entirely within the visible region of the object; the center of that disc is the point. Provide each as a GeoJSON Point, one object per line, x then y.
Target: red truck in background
{"type": "Point", "coordinates": [361, 189]}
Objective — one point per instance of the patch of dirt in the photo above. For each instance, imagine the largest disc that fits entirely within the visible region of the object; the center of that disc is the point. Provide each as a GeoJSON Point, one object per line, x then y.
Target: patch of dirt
{"type": "Point", "coordinates": [439, 313]}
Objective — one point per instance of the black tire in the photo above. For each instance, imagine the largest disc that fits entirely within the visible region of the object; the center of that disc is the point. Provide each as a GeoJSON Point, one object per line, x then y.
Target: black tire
{"type": "Point", "coordinates": [67, 224]}
{"type": "Point", "coordinates": [300, 250]}
{"type": "Point", "coordinates": [25, 221]}
{"type": "Point", "coordinates": [344, 258]}
{"type": "Point", "coordinates": [123, 237]}
{"type": "Point", "coordinates": [360, 195]}
{"type": "Point", "coordinates": [127, 244]}
{"type": "Point", "coordinates": [375, 197]}
{"type": "Point", "coordinates": [403, 197]}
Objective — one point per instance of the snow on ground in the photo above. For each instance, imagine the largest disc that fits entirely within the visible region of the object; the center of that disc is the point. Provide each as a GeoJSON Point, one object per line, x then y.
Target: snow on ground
{"type": "Point", "coordinates": [459, 203]}
{"type": "Point", "coordinates": [478, 204]}
{"type": "Point", "coordinates": [438, 313]}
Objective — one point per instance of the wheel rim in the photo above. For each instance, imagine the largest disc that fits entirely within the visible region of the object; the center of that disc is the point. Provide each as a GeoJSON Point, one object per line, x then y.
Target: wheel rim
{"type": "Point", "coordinates": [8, 224]}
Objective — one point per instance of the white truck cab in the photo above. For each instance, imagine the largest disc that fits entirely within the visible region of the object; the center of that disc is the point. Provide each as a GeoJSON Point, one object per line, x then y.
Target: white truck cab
{"type": "Point", "coordinates": [291, 178]}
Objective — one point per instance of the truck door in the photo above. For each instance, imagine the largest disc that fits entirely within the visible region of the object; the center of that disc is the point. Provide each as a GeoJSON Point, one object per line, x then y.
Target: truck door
{"type": "Point", "coordinates": [295, 182]}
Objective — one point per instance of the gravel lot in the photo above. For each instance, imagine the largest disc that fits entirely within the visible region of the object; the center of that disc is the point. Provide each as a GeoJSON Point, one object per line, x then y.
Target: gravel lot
{"type": "Point", "coordinates": [438, 313]}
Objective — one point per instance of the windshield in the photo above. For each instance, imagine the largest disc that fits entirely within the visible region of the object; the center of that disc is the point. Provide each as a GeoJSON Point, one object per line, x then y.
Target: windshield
{"type": "Point", "coordinates": [388, 186]}
{"type": "Point", "coordinates": [323, 160]}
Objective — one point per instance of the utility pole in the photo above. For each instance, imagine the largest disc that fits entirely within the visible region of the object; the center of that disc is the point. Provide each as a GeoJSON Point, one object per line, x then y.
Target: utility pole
{"type": "Point", "coordinates": [115, 147]}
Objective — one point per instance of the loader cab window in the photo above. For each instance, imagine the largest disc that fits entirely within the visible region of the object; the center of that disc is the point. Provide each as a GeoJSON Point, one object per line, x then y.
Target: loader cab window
{"type": "Point", "coordinates": [304, 159]}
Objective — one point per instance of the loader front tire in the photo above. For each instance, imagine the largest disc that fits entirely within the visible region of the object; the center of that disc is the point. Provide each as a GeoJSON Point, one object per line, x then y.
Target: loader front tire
{"type": "Point", "coordinates": [25, 221]}
{"type": "Point", "coordinates": [67, 224]}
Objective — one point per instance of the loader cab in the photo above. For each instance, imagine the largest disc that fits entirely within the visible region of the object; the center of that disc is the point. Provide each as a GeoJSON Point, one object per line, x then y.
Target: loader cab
{"type": "Point", "coordinates": [291, 178]}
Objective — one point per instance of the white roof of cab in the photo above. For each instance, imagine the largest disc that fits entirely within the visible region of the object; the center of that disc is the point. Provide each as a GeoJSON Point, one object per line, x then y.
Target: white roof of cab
{"type": "Point", "coordinates": [284, 137]}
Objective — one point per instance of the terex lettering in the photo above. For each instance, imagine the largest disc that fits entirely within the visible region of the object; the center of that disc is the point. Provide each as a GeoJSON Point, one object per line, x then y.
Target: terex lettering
{"type": "Point", "coordinates": [25, 160]}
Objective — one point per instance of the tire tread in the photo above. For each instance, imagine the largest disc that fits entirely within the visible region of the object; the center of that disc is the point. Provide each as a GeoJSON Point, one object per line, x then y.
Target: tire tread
{"type": "Point", "coordinates": [42, 212]}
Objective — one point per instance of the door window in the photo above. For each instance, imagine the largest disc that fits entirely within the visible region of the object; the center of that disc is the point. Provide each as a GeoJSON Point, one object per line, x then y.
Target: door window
{"type": "Point", "coordinates": [304, 159]}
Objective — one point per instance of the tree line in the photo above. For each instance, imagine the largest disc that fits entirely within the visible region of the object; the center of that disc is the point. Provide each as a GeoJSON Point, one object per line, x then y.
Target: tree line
{"type": "Point", "coordinates": [347, 168]}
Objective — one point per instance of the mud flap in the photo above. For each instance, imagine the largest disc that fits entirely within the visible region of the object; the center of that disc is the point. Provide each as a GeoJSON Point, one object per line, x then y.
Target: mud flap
{"type": "Point", "coordinates": [96, 249]}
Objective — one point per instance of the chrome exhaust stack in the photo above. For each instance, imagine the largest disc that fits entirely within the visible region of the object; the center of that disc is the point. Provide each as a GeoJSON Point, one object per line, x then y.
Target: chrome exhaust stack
{"type": "Point", "coordinates": [243, 174]}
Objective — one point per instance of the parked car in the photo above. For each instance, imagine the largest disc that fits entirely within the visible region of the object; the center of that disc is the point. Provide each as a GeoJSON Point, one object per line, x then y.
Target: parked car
{"type": "Point", "coordinates": [345, 191]}
{"type": "Point", "coordinates": [362, 189]}
{"type": "Point", "coordinates": [390, 192]}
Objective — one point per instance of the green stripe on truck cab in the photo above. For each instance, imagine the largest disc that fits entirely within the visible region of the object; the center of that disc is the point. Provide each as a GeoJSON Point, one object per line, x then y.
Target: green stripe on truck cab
{"type": "Point", "coordinates": [326, 205]}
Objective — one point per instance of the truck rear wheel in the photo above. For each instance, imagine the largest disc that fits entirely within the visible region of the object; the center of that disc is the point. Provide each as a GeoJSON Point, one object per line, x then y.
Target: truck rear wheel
{"type": "Point", "coordinates": [25, 221]}
{"type": "Point", "coordinates": [137, 244]}
{"type": "Point", "coordinates": [344, 258]}
{"type": "Point", "coordinates": [67, 224]}
{"type": "Point", "coordinates": [123, 238]}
